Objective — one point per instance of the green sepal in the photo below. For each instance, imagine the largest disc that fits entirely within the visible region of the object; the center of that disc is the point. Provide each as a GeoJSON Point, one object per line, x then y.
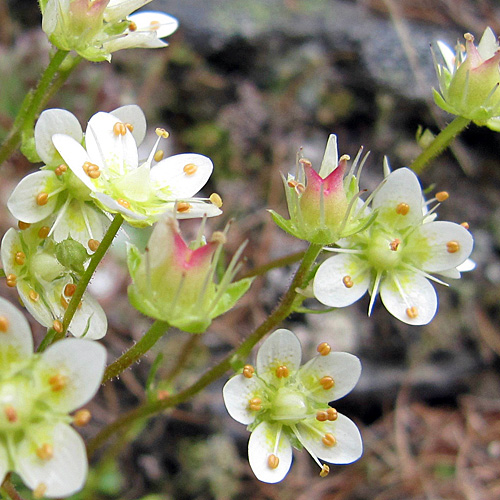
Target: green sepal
{"type": "Point", "coordinates": [284, 224]}
{"type": "Point", "coordinates": [143, 305]}
{"type": "Point", "coordinates": [439, 100]}
{"type": "Point", "coordinates": [28, 148]}
{"type": "Point", "coordinates": [231, 295]}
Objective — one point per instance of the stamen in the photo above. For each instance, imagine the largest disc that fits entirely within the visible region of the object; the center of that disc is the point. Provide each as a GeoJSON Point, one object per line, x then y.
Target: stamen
{"type": "Point", "coordinates": [218, 237]}
{"type": "Point", "coordinates": [452, 246]}
{"type": "Point", "coordinates": [332, 414]}
{"type": "Point", "coordinates": [69, 289]}
{"type": "Point", "coordinates": [329, 440]}
{"type": "Point", "coordinates": [57, 326]}
{"type": "Point", "coordinates": [40, 490]}
{"type": "Point", "coordinates": [183, 207]}
{"type": "Point", "coordinates": [132, 26]}
{"type": "Point", "coordinates": [412, 312]}
{"type": "Point", "coordinates": [23, 225]}
{"type": "Point", "coordinates": [292, 183]}
{"type": "Point", "coordinates": [255, 404]}
{"type": "Point", "coordinates": [20, 258]}
{"type": "Point", "coordinates": [216, 200]}
{"type": "Point", "coordinates": [273, 461]}
{"type": "Point", "coordinates": [321, 416]}
{"type": "Point", "coordinates": [94, 244]}
{"type": "Point", "coordinates": [442, 196]}
{"type": "Point", "coordinates": [82, 417]}
{"type": "Point", "coordinates": [190, 169]}
{"type": "Point", "coordinates": [465, 224]}
{"type": "Point", "coordinates": [34, 296]}
{"type": "Point", "coordinates": [162, 394]}
{"type": "Point", "coordinates": [402, 208]}
{"type": "Point", "coordinates": [43, 232]}
{"type": "Point", "coordinates": [11, 280]}
{"type": "Point", "coordinates": [154, 25]}
{"type": "Point", "coordinates": [58, 382]}
{"type": "Point", "coordinates": [325, 470]}
{"type": "Point", "coordinates": [45, 452]}
{"type": "Point", "coordinates": [4, 324]}
{"type": "Point", "coordinates": [119, 129]}
{"type": "Point", "coordinates": [64, 302]}
{"type": "Point", "coordinates": [61, 169]}
{"type": "Point", "coordinates": [42, 198]}
{"type": "Point", "coordinates": [123, 203]}
{"type": "Point", "coordinates": [10, 413]}
{"type": "Point", "coordinates": [394, 245]}
{"type": "Point", "coordinates": [91, 169]}
{"type": "Point", "coordinates": [348, 283]}
{"type": "Point", "coordinates": [327, 382]}
{"type": "Point", "coordinates": [129, 126]}
{"type": "Point", "coordinates": [248, 371]}
{"type": "Point", "coordinates": [469, 37]}
{"type": "Point", "coordinates": [161, 132]}
{"type": "Point", "coordinates": [158, 156]}
{"type": "Point", "coordinates": [282, 371]}
{"type": "Point", "coordinates": [324, 348]}
{"type": "Point", "coordinates": [300, 188]}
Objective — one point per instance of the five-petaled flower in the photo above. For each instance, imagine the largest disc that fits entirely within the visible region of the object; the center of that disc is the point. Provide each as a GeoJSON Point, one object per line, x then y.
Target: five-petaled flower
{"type": "Point", "coordinates": [396, 254]}
{"type": "Point", "coordinates": [37, 391]}
{"type": "Point", "coordinates": [286, 405]}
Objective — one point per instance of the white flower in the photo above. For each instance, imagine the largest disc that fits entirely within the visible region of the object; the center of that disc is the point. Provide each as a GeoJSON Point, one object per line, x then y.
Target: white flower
{"type": "Point", "coordinates": [37, 391]}
{"type": "Point", "coordinates": [109, 167]}
{"type": "Point", "coordinates": [396, 255]}
{"type": "Point", "coordinates": [286, 405]}
{"type": "Point", "coordinates": [45, 286]}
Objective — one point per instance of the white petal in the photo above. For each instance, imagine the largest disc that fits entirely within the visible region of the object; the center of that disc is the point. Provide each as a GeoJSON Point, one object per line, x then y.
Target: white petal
{"type": "Point", "coordinates": [82, 362]}
{"type": "Point", "coordinates": [16, 340]}
{"type": "Point", "coordinates": [237, 393]}
{"type": "Point", "coordinates": [169, 175]}
{"type": "Point", "coordinates": [437, 235]}
{"type": "Point", "coordinates": [113, 206]}
{"type": "Point", "coordinates": [134, 115]}
{"type": "Point", "coordinates": [329, 287]}
{"type": "Point", "coordinates": [416, 291]}
{"type": "Point", "coordinates": [281, 348]}
{"type": "Point", "coordinates": [51, 122]}
{"type": "Point", "coordinates": [135, 40]}
{"type": "Point", "coordinates": [38, 309]}
{"type": "Point", "coordinates": [348, 447]}
{"type": "Point", "coordinates": [161, 24]}
{"type": "Point", "coordinates": [262, 443]}
{"type": "Point", "coordinates": [488, 44]}
{"type": "Point", "coordinates": [117, 10]}
{"type": "Point", "coordinates": [196, 210]}
{"type": "Point", "coordinates": [22, 202]}
{"type": "Point", "coordinates": [11, 244]}
{"type": "Point", "coordinates": [63, 474]}
{"type": "Point", "coordinates": [74, 155]}
{"type": "Point", "coordinates": [401, 186]}
{"type": "Point", "coordinates": [344, 368]}
{"type": "Point", "coordinates": [89, 320]}
{"type": "Point", "coordinates": [466, 266]}
{"type": "Point", "coordinates": [112, 152]}
{"type": "Point", "coordinates": [330, 158]}
{"type": "Point", "coordinates": [448, 55]}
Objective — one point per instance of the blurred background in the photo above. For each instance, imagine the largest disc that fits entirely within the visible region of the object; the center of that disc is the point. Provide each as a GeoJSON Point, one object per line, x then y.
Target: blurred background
{"type": "Point", "coordinates": [247, 84]}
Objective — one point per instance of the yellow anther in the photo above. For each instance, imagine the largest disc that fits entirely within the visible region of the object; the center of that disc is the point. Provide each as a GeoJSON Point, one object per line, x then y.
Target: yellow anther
{"type": "Point", "coordinates": [119, 129]}
{"type": "Point", "coordinates": [292, 183]}
{"type": "Point", "coordinates": [282, 371]}
{"type": "Point", "coordinates": [216, 200]}
{"type": "Point", "coordinates": [325, 470]}
{"type": "Point", "coordinates": [69, 290]}
{"type": "Point", "coordinates": [324, 348]}
{"type": "Point", "coordinates": [4, 324]}
{"type": "Point", "coordinates": [43, 232]}
{"type": "Point", "coordinates": [442, 196]}
{"type": "Point", "coordinates": [132, 26]}
{"type": "Point", "coordinates": [91, 169]}
{"type": "Point", "coordinates": [23, 225]}
{"type": "Point", "coordinates": [469, 37]}
{"type": "Point", "coordinates": [218, 237]}
{"type": "Point", "coordinates": [158, 156]}
{"type": "Point", "coordinates": [273, 461]}
{"type": "Point", "coordinates": [93, 244]}
{"type": "Point", "coordinates": [402, 208]}
{"type": "Point", "coordinates": [162, 394]}
{"type": "Point", "coordinates": [394, 244]}
{"type": "Point", "coordinates": [327, 382]}
{"type": "Point", "coordinates": [45, 452]}
{"type": "Point", "coordinates": [329, 439]}
{"type": "Point", "coordinates": [94, 174]}
{"type": "Point", "coordinates": [130, 127]}
{"type": "Point", "coordinates": [161, 132]}
{"type": "Point", "coordinates": [347, 280]}
{"type": "Point", "coordinates": [57, 326]}
{"type": "Point", "coordinates": [64, 302]}
{"type": "Point", "coordinates": [321, 416]}
{"type": "Point", "coordinates": [154, 25]}
{"type": "Point", "coordinates": [10, 414]}
{"type": "Point", "coordinates": [61, 169]}
{"type": "Point", "coordinates": [300, 188]}
{"type": "Point", "coordinates": [452, 246]}
{"type": "Point", "coordinates": [40, 490]}
{"type": "Point", "coordinates": [344, 158]}
{"type": "Point", "coordinates": [58, 382]}
{"type": "Point", "coordinates": [190, 169]}
{"type": "Point", "coordinates": [34, 296]}
{"type": "Point", "coordinates": [412, 312]}
{"type": "Point", "coordinates": [255, 404]}
{"type": "Point", "coordinates": [332, 414]}
{"type": "Point", "coordinates": [42, 198]}
{"type": "Point", "coordinates": [183, 207]}
{"type": "Point", "coordinates": [11, 280]}
{"type": "Point", "coordinates": [305, 162]}
{"type": "Point", "coordinates": [82, 417]}
{"type": "Point", "coordinates": [465, 224]}
{"type": "Point", "coordinates": [123, 203]}
{"type": "Point", "coordinates": [248, 371]}
{"type": "Point", "coordinates": [20, 258]}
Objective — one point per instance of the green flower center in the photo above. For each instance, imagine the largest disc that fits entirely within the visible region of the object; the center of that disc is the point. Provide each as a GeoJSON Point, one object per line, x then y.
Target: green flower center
{"type": "Point", "coordinates": [384, 253]}
{"type": "Point", "coordinates": [289, 406]}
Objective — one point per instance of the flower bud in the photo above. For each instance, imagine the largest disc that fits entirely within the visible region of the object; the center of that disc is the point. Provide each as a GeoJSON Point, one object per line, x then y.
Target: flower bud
{"type": "Point", "coordinates": [72, 255]}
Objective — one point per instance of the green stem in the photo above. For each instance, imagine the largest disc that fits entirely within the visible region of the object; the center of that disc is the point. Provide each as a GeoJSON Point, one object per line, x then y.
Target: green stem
{"type": "Point", "coordinates": [31, 105]}
{"type": "Point", "coordinates": [157, 330]}
{"type": "Point", "coordinates": [279, 314]}
{"type": "Point", "coordinates": [87, 275]}
{"type": "Point", "coordinates": [440, 143]}
{"type": "Point", "coordinates": [9, 489]}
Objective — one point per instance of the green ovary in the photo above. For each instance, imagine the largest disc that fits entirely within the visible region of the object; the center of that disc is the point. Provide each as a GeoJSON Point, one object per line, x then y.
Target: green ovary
{"type": "Point", "coordinates": [384, 253]}
{"type": "Point", "coordinates": [289, 406]}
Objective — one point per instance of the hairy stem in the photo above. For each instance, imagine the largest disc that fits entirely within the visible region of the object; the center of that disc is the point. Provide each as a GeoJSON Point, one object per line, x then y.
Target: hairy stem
{"type": "Point", "coordinates": [280, 313]}
{"type": "Point", "coordinates": [440, 143]}
{"type": "Point", "coordinates": [9, 489]}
